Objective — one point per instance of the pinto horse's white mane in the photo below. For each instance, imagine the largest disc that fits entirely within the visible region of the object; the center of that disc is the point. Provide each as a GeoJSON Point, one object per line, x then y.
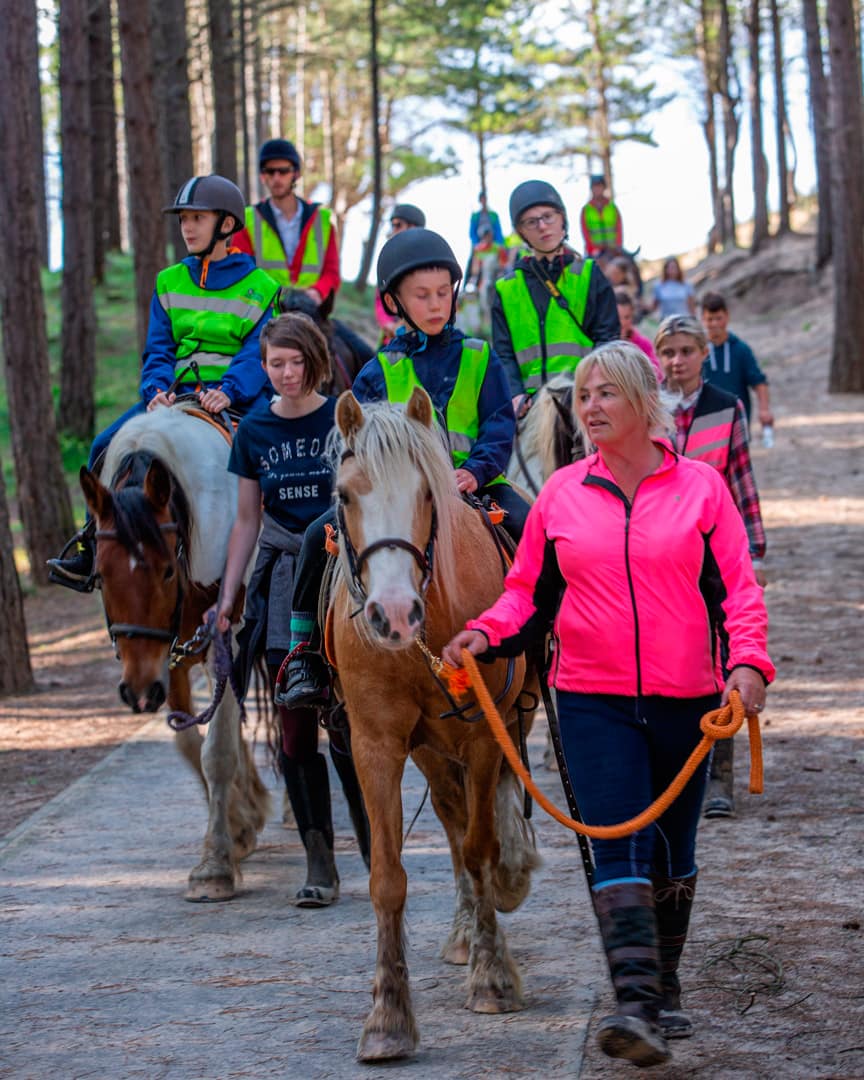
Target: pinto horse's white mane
{"type": "Point", "coordinates": [196, 454]}
{"type": "Point", "coordinates": [391, 449]}
{"type": "Point", "coordinates": [537, 436]}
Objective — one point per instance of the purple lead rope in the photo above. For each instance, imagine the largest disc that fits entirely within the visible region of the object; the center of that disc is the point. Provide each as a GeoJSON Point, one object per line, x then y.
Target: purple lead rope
{"type": "Point", "coordinates": [223, 664]}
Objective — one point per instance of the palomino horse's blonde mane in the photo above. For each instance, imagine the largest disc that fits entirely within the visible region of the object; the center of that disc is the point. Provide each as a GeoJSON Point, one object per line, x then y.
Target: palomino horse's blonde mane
{"type": "Point", "coordinates": [390, 448]}
{"type": "Point", "coordinates": [197, 455]}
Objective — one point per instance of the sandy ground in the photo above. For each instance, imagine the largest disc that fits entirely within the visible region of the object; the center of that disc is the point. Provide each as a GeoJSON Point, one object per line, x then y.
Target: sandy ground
{"type": "Point", "coordinates": [773, 971]}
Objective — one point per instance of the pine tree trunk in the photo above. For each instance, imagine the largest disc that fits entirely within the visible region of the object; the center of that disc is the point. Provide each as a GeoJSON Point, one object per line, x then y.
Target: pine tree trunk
{"type": "Point", "coordinates": [43, 499]}
{"type": "Point", "coordinates": [145, 168]}
{"type": "Point", "coordinates": [171, 83]}
{"type": "Point", "coordinates": [16, 675]}
{"type": "Point", "coordinates": [821, 130]}
{"type": "Point", "coordinates": [78, 337]}
{"type": "Point", "coordinates": [224, 57]}
{"type": "Point", "coordinates": [300, 81]}
{"type": "Point", "coordinates": [377, 164]}
{"type": "Point", "coordinates": [716, 236]}
{"type": "Point", "coordinates": [781, 123]}
{"type": "Point", "coordinates": [731, 101]}
{"type": "Point", "coordinates": [38, 155]}
{"type": "Point", "coordinates": [757, 148]}
{"type": "Point", "coordinates": [847, 199]}
{"type": "Point", "coordinates": [103, 136]}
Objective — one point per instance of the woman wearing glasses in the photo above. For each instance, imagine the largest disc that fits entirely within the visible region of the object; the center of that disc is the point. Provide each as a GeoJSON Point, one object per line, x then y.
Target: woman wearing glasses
{"type": "Point", "coordinates": [292, 239]}
{"type": "Point", "coordinates": [553, 307]}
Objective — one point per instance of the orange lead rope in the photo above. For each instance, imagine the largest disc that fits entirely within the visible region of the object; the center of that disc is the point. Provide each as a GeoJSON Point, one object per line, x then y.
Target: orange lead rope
{"type": "Point", "coordinates": [718, 724]}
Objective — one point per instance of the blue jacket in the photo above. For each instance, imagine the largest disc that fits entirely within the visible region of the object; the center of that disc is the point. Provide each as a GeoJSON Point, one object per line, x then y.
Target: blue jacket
{"type": "Point", "coordinates": [437, 366]}
{"type": "Point", "coordinates": [245, 381]}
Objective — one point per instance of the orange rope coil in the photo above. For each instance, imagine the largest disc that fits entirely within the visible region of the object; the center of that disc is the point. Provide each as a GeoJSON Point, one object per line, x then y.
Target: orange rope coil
{"type": "Point", "coordinates": [719, 723]}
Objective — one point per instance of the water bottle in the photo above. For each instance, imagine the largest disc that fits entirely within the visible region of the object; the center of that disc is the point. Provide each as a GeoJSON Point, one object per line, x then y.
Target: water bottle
{"type": "Point", "coordinates": [768, 436]}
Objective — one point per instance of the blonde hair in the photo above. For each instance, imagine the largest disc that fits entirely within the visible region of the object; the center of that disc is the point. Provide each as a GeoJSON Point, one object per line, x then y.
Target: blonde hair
{"type": "Point", "coordinates": [680, 324]}
{"type": "Point", "coordinates": [627, 367]}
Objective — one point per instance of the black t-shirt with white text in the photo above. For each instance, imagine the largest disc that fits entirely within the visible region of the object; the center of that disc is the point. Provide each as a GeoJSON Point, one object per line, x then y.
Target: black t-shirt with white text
{"type": "Point", "coordinates": [286, 458]}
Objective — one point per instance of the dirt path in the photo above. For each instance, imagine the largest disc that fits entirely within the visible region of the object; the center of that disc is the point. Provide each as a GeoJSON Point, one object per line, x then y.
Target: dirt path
{"type": "Point", "coordinates": [784, 874]}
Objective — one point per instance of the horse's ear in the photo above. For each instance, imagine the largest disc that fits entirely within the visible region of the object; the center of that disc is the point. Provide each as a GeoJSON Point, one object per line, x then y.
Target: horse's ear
{"type": "Point", "coordinates": [98, 497]}
{"type": "Point", "coordinates": [157, 485]}
{"type": "Point", "coordinates": [349, 415]}
{"type": "Point", "coordinates": [420, 407]}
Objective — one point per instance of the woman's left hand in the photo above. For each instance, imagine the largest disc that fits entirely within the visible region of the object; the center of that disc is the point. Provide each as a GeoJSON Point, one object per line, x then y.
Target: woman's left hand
{"type": "Point", "coordinates": [750, 685]}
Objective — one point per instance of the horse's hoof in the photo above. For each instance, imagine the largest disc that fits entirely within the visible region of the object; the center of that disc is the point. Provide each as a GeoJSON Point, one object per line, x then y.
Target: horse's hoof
{"type": "Point", "coordinates": [209, 890]}
{"type": "Point", "coordinates": [385, 1045]}
{"type": "Point", "coordinates": [487, 1000]}
{"type": "Point", "coordinates": [455, 952]}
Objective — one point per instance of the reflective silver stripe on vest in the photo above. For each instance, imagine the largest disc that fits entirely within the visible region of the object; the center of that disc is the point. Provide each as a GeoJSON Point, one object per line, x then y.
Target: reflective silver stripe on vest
{"type": "Point", "coordinates": [553, 348]}
{"type": "Point", "coordinates": [202, 359]}
{"type": "Point", "coordinates": [318, 232]}
{"type": "Point", "coordinates": [460, 442]}
{"type": "Point", "coordinates": [260, 261]}
{"type": "Point", "coordinates": [221, 305]}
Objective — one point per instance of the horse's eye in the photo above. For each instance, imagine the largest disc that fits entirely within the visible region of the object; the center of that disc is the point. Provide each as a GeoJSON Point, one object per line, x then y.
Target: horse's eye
{"type": "Point", "coordinates": [169, 573]}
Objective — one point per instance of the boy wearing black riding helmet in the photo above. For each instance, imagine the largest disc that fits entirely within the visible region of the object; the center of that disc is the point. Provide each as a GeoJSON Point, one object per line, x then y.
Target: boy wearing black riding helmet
{"type": "Point", "coordinates": [418, 277]}
{"type": "Point", "coordinates": [553, 307]}
{"type": "Point", "coordinates": [206, 316]}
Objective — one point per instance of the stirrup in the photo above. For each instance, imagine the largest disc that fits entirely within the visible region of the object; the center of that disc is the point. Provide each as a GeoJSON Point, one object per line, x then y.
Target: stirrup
{"type": "Point", "coordinates": [59, 575]}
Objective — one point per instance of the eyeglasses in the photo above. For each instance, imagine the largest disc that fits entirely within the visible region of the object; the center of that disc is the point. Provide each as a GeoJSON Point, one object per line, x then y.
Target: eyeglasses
{"type": "Point", "coordinates": [278, 170]}
{"type": "Point", "coordinates": [532, 223]}
{"type": "Point", "coordinates": [398, 224]}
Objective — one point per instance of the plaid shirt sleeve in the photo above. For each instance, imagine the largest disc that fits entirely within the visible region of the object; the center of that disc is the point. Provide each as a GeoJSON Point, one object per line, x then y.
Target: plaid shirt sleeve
{"type": "Point", "coordinates": [742, 484]}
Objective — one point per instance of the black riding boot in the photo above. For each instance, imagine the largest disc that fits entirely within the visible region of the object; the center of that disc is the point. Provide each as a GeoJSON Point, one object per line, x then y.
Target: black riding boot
{"type": "Point", "coordinates": [340, 755]}
{"type": "Point", "coordinates": [673, 902]}
{"type": "Point", "coordinates": [76, 562]}
{"type": "Point", "coordinates": [308, 786]}
{"type": "Point", "coordinates": [305, 682]}
{"type": "Point", "coordinates": [625, 914]}
{"type": "Point", "coordinates": [719, 797]}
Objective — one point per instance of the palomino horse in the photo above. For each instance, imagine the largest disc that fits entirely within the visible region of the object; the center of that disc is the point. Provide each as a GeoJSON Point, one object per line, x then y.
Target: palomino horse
{"type": "Point", "coordinates": [162, 527]}
{"type": "Point", "coordinates": [546, 437]}
{"type": "Point", "coordinates": [416, 562]}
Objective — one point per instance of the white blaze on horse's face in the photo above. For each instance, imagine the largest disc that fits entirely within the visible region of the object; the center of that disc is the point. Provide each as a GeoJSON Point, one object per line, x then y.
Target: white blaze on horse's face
{"type": "Point", "coordinates": [392, 578]}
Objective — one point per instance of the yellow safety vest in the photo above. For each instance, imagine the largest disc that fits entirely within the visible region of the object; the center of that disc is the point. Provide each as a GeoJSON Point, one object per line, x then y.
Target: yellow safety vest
{"type": "Point", "coordinates": [270, 255]}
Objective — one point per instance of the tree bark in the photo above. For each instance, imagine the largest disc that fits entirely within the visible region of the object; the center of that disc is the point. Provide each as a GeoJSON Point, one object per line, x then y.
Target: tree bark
{"type": "Point", "coordinates": [709, 127]}
{"type": "Point", "coordinates": [38, 155]}
{"type": "Point", "coordinates": [78, 336]}
{"type": "Point", "coordinates": [103, 136]}
{"type": "Point", "coordinates": [731, 98]}
{"type": "Point", "coordinates": [377, 164]}
{"type": "Point", "coordinates": [224, 57]}
{"type": "Point", "coordinates": [146, 184]}
{"type": "Point", "coordinates": [16, 675]}
{"type": "Point", "coordinates": [821, 130]}
{"type": "Point", "coordinates": [171, 84]}
{"type": "Point", "coordinates": [757, 148]}
{"type": "Point", "coordinates": [43, 499]}
{"type": "Point", "coordinates": [781, 122]}
{"type": "Point", "coordinates": [847, 199]}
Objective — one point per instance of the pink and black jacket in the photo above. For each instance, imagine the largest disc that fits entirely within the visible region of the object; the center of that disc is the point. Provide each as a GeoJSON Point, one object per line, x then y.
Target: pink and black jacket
{"type": "Point", "coordinates": [639, 592]}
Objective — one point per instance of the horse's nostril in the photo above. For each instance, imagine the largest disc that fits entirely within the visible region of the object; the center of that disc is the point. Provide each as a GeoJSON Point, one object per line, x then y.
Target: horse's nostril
{"type": "Point", "coordinates": [378, 619]}
{"type": "Point", "coordinates": [128, 698]}
{"type": "Point", "coordinates": [155, 696]}
{"type": "Point", "coordinates": [416, 615]}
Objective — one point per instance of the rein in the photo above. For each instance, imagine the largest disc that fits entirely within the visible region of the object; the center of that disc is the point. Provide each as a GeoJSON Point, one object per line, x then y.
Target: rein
{"type": "Point", "coordinates": [223, 663]}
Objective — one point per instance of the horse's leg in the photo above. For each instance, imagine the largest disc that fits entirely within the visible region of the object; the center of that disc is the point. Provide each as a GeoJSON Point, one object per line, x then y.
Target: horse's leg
{"type": "Point", "coordinates": [494, 984]}
{"type": "Point", "coordinates": [215, 876]}
{"type": "Point", "coordinates": [447, 789]}
{"type": "Point", "coordinates": [188, 742]}
{"type": "Point", "coordinates": [249, 804]}
{"type": "Point", "coordinates": [390, 1030]}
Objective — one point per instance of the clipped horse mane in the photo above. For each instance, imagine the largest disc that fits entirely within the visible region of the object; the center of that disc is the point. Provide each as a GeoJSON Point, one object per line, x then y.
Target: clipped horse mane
{"type": "Point", "coordinates": [387, 447]}
{"type": "Point", "coordinates": [134, 519]}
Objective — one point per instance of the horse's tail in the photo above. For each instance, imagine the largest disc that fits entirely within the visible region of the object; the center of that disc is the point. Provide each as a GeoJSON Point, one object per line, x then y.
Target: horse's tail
{"type": "Point", "coordinates": [511, 878]}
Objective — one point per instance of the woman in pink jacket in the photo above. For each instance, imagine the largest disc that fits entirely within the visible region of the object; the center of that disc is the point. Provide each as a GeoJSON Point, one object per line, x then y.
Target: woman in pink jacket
{"type": "Point", "coordinates": [640, 557]}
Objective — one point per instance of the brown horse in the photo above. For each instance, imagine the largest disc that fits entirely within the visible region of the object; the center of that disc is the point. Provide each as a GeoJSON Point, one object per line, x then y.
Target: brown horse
{"type": "Point", "coordinates": [162, 526]}
{"type": "Point", "coordinates": [416, 562]}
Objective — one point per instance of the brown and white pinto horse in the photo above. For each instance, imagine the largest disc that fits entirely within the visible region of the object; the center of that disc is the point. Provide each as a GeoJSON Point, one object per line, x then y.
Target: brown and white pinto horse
{"type": "Point", "coordinates": [162, 527]}
{"type": "Point", "coordinates": [417, 561]}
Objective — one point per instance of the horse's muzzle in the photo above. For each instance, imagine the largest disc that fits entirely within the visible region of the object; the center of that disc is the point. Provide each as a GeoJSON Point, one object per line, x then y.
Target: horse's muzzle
{"type": "Point", "coordinates": [150, 702]}
{"type": "Point", "coordinates": [399, 630]}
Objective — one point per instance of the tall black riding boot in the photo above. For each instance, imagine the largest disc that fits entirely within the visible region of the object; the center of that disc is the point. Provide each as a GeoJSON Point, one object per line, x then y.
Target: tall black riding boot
{"type": "Point", "coordinates": [719, 795]}
{"type": "Point", "coordinates": [673, 902]}
{"type": "Point", "coordinates": [340, 755]}
{"type": "Point", "coordinates": [76, 562]}
{"type": "Point", "coordinates": [308, 786]}
{"type": "Point", "coordinates": [625, 914]}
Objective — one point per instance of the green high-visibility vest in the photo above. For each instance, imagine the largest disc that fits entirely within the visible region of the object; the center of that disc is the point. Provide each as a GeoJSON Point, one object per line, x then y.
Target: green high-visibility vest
{"type": "Point", "coordinates": [270, 255]}
{"type": "Point", "coordinates": [463, 422]}
{"type": "Point", "coordinates": [602, 225]}
{"type": "Point", "coordinates": [210, 325]}
{"type": "Point", "coordinates": [552, 343]}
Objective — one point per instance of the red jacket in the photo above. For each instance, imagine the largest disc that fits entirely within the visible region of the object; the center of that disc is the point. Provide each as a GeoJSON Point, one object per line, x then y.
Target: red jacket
{"type": "Point", "coordinates": [639, 592]}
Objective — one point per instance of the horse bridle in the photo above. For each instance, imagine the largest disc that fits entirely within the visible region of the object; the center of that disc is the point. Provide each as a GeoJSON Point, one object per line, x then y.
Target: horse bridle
{"type": "Point", "coordinates": [425, 559]}
{"type": "Point", "coordinates": [134, 630]}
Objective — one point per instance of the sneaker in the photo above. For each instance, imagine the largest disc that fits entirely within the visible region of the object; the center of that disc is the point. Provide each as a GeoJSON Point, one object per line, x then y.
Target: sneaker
{"type": "Point", "coordinates": [305, 684]}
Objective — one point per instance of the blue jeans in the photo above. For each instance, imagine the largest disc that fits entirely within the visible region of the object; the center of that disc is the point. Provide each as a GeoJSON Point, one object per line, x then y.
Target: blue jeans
{"type": "Point", "coordinates": [621, 753]}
